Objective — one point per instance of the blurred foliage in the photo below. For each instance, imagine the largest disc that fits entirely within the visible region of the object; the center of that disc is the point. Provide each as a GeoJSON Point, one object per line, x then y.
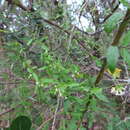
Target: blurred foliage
{"type": "Point", "coordinates": [49, 64]}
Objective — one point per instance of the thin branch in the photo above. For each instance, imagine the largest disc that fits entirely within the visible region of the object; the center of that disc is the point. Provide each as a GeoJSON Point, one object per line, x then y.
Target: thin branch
{"type": "Point", "coordinates": [52, 23]}
{"type": "Point", "coordinates": [20, 5]}
{"type": "Point", "coordinates": [122, 121]}
{"type": "Point", "coordinates": [126, 69]}
{"type": "Point", "coordinates": [55, 114]}
{"type": "Point", "coordinates": [115, 42]}
{"type": "Point", "coordinates": [56, 25]}
{"type": "Point", "coordinates": [108, 16]}
{"type": "Point", "coordinates": [42, 125]}
{"type": "Point", "coordinates": [121, 29]}
{"type": "Point", "coordinates": [13, 108]}
{"type": "Point", "coordinates": [100, 74]}
{"type": "Point", "coordinates": [81, 43]}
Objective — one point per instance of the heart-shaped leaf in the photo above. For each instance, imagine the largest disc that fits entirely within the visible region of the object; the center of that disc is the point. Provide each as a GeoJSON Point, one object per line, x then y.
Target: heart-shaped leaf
{"type": "Point", "coordinates": [21, 123]}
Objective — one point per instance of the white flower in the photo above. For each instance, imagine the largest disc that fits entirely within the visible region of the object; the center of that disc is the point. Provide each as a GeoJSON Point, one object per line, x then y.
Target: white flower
{"type": "Point", "coordinates": [118, 90]}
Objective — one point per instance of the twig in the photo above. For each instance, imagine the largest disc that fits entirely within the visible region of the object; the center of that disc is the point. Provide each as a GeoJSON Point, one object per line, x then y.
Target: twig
{"type": "Point", "coordinates": [102, 70]}
{"type": "Point", "coordinates": [120, 80]}
{"type": "Point", "coordinates": [13, 108]}
{"type": "Point", "coordinates": [55, 114]}
{"type": "Point", "coordinates": [121, 29]}
{"type": "Point", "coordinates": [7, 111]}
{"type": "Point", "coordinates": [69, 43]}
{"type": "Point", "coordinates": [115, 42]}
{"type": "Point", "coordinates": [41, 126]}
{"type": "Point", "coordinates": [108, 16]}
{"type": "Point", "coordinates": [81, 43]}
{"type": "Point", "coordinates": [126, 69]}
{"type": "Point", "coordinates": [20, 5]}
{"type": "Point", "coordinates": [122, 121]}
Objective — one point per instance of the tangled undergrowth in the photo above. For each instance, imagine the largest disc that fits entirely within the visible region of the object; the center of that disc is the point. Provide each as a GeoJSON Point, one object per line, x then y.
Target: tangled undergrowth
{"type": "Point", "coordinates": [56, 76]}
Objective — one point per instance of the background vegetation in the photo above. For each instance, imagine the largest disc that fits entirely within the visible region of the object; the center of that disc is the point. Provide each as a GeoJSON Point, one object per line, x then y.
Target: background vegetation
{"type": "Point", "coordinates": [64, 66]}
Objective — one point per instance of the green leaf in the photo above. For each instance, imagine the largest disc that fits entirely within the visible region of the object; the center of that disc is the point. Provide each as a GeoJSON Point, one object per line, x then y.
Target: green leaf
{"type": "Point", "coordinates": [91, 118]}
{"type": "Point", "coordinates": [110, 126]}
{"type": "Point", "coordinates": [101, 97]}
{"type": "Point", "coordinates": [126, 55]}
{"type": "Point", "coordinates": [48, 80]}
{"type": "Point", "coordinates": [126, 39]}
{"type": "Point", "coordinates": [125, 3]}
{"type": "Point", "coordinates": [73, 84]}
{"type": "Point", "coordinates": [82, 128]}
{"type": "Point", "coordinates": [112, 57]}
{"type": "Point", "coordinates": [72, 125]}
{"type": "Point", "coordinates": [67, 105]}
{"type": "Point", "coordinates": [112, 22]}
{"type": "Point", "coordinates": [35, 76]}
{"type": "Point", "coordinates": [98, 93]}
{"type": "Point", "coordinates": [93, 104]}
{"type": "Point", "coordinates": [43, 14]}
{"type": "Point", "coordinates": [62, 125]}
{"type": "Point", "coordinates": [21, 123]}
{"type": "Point", "coordinates": [30, 42]}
